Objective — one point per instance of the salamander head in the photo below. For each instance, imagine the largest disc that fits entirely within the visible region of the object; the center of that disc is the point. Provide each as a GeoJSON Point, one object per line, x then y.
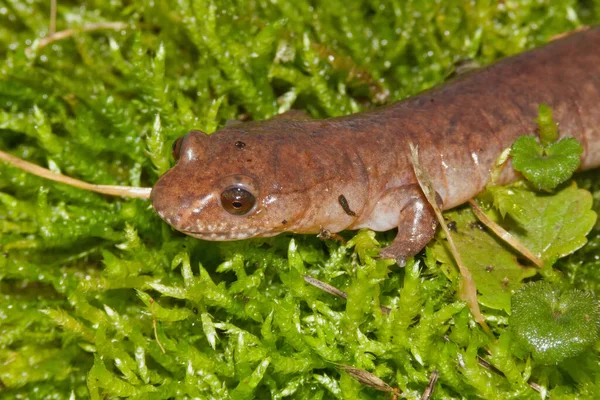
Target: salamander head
{"type": "Point", "coordinates": [228, 186]}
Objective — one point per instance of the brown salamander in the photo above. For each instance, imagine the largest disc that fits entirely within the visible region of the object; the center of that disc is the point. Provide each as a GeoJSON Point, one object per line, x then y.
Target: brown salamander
{"type": "Point", "coordinates": [259, 179]}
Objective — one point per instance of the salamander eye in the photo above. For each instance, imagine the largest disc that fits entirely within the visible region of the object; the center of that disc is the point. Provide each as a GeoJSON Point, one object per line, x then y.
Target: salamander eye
{"type": "Point", "coordinates": [177, 148]}
{"type": "Point", "coordinates": [237, 201]}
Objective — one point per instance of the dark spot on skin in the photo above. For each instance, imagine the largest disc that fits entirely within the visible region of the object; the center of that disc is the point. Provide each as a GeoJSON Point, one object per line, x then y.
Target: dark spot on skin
{"type": "Point", "coordinates": [438, 200]}
{"type": "Point", "coordinates": [249, 160]}
{"type": "Point", "coordinates": [477, 225]}
{"type": "Point", "coordinates": [345, 206]}
{"type": "Point", "coordinates": [307, 157]}
{"type": "Point", "coordinates": [452, 226]}
{"type": "Point", "coordinates": [284, 222]}
{"type": "Point", "coordinates": [432, 100]}
{"type": "Point", "coordinates": [240, 145]}
{"type": "Point", "coordinates": [195, 310]}
{"type": "Point", "coordinates": [489, 268]}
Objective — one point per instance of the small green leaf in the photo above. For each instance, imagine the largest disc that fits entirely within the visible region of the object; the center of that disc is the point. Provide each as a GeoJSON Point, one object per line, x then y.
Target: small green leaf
{"type": "Point", "coordinates": [161, 313]}
{"type": "Point", "coordinates": [550, 226]}
{"type": "Point", "coordinates": [208, 327]}
{"type": "Point", "coordinates": [245, 389]}
{"type": "Point", "coordinates": [547, 126]}
{"type": "Point", "coordinates": [494, 266]}
{"type": "Point", "coordinates": [554, 324]}
{"type": "Point", "coordinates": [546, 167]}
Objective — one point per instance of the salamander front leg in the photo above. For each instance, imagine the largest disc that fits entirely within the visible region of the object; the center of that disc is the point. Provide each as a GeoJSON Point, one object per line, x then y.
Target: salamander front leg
{"type": "Point", "coordinates": [416, 227]}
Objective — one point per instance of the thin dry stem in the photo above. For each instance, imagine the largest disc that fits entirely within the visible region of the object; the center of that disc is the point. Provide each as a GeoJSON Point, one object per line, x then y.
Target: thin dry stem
{"type": "Point", "coordinates": [504, 235]}
{"type": "Point", "coordinates": [535, 386]}
{"type": "Point", "coordinates": [431, 386]}
{"type": "Point", "coordinates": [52, 27]}
{"type": "Point", "coordinates": [67, 33]}
{"type": "Point", "coordinates": [468, 291]}
{"type": "Point", "coordinates": [123, 191]}
{"type": "Point", "coordinates": [367, 379]}
{"type": "Point", "coordinates": [325, 287]}
{"type": "Point", "coordinates": [565, 34]}
{"type": "Point", "coordinates": [335, 291]}
{"type": "Point", "coordinates": [154, 327]}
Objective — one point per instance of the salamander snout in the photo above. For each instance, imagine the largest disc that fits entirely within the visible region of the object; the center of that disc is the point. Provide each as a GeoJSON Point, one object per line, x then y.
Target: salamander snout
{"type": "Point", "coordinates": [226, 188]}
{"type": "Point", "coordinates": [221, 209]}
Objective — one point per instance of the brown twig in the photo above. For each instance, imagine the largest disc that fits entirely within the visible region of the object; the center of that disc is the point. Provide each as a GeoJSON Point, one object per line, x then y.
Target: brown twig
{"type": "Point", "coordinates": [67, 33]}
{"type": "Point", "coordinates": [367, 379]}
{"type": "Point", "coordinates": [52, 26]}
{"type": "Point", "coordinates": [112, 190]}
{"type": "Point", "coordinates": [325, 287]}
{"type": "Point", "coordinates": [468, 290]}
{"type": "Point", "coordinates": [335, 291]}
{"type": "Point", "coordinates": [565, 34]}
{"type": "Point", "coordinates": [431, 386]}
{"type": "Point", "coordinates": [491, 368]}
{"type": "Point", "coordinates": [504, 235]}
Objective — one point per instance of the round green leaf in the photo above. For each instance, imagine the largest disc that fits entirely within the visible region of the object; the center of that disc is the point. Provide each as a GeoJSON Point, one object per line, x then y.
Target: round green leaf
{"type": "Point", "coordinates": [554, 324]}
{"type": "Point", "coordinates": [546, 167]}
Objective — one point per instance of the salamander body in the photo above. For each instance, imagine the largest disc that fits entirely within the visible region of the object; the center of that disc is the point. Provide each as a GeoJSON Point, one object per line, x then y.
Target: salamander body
{"type": "Point", "coordinates": [259, 179]}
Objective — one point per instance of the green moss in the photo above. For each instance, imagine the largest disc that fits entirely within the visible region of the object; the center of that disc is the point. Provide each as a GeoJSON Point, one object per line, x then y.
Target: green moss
{"type": "Point", "coordinates": [92, 288]}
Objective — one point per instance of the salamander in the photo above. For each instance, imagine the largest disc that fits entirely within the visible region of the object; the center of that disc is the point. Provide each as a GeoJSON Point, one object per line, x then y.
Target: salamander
{"type": "Point", "coordinates": [259, 179]}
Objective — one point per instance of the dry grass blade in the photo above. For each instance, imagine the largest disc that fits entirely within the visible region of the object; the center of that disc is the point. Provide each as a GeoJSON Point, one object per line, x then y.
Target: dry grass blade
{"type": "Point", "coordinates": [538, 388]}
{"type": "Point", "coordinates": [467, 289]}
{"type": "Point", "coordinates": [52, 27]}
{"type": "Point", "coordinates": [124, 191]}
{"type": "Point", "coordinates": [67, 33]}
{"type": "Point", "coordinates": [334, 291]}
{"type": "Point", "coordinates": [154, 326]}
{"type": "Point", "coordinates": [430, 386]}
{"type": "Point", "coordinates": [504, 235]}
{"type": "Point", "coordinates": [574, 31]}
{"type": "Point", "coordinates": [325, 287]}
{"type": "Point", "coordinates": [367, 379]}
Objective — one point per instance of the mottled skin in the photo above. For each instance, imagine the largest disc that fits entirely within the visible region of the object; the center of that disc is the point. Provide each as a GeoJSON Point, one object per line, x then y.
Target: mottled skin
{"type": "Point", "coordinates": [298, 169]}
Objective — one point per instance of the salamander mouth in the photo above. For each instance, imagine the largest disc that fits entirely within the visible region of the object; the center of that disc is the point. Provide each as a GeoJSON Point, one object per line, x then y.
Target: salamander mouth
{"type": "Point", "coordinates": [215, 233]}
{"type": "Point", "coordinates": [227, 236]}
